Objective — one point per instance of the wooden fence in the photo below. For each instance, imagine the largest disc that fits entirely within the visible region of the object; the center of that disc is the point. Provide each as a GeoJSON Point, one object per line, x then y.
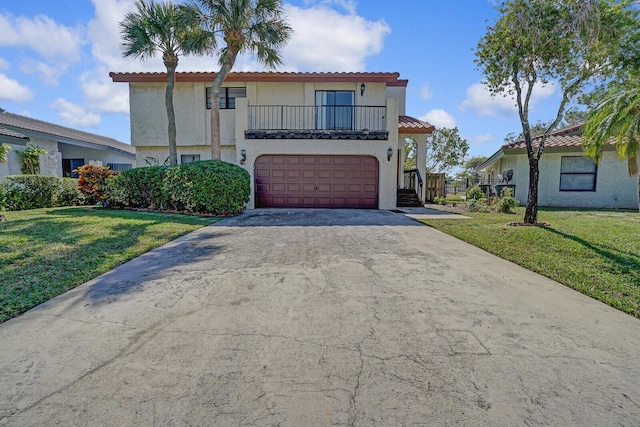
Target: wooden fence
{"type": "Point", "coordinates": [435, 186]}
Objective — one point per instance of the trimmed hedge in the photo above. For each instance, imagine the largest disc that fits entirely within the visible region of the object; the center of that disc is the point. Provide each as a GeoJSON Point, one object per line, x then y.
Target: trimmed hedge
{"type": "Point", "coordinates": [21, 192]}
{"type": "Point", "coordinates": [139, 187]}
{"type": "Point", "coordinates": [210, 186]}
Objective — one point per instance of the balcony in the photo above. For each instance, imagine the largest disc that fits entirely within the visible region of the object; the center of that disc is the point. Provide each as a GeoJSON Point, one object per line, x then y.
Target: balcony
{"type": "Point", "coordinates": [317, 122]}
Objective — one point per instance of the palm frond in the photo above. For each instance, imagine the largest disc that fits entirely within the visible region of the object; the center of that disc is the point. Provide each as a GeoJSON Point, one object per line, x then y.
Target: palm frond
{"type": "Point", "coordinates": [617, 120]}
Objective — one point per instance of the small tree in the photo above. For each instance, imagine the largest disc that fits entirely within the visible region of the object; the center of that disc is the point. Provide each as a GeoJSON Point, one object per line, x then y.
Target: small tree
{"type": "Point", "coordinates": [255, 26]}
{"type": "Point", "coordinates": [536, 42]}
{"type": "Point", "coordinates": [30, 159]}
{"type": "Point", "coordinates": [470, 165]}
{"type": "Point", "coordinates": [410, 150]}
{"type": "Point", "coordinates": [445, 149]}
{"type": "Point", "coordinates": [4, 150]}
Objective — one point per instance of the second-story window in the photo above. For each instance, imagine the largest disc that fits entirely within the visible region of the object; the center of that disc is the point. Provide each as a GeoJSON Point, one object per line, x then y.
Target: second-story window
{"type": "Point", "coordinates": [228, 97]}
{"type": "Point", "coordinates": [334, 109]}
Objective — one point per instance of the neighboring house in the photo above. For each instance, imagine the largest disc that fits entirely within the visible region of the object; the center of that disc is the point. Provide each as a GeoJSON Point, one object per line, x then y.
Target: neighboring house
{"type": "Point", "coordinates": [67, 148]}
{"type": "Point", "coordinates": [567, 177]}
{"type": "Point", "coordinates": [307, 139]}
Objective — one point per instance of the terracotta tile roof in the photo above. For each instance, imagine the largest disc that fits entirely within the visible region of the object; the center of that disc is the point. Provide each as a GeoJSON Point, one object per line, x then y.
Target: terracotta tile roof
{"type": "Point", "coordinates": [391, 79]}
{"type": "Point", "coordinates": [569, 137]}
{"type": "Point", "coordinates": [408, 124]}
{"type": "Point", "coordinates": [34, 125]}
{"type": "Point", "coordinates": [12, 134]}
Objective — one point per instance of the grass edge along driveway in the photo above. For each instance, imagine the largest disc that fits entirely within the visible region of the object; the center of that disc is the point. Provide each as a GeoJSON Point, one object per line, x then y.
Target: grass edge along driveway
{"type": "Point", "coordinates": [596, 252]}
{"type": "Point", "coordinates": [46, 252]}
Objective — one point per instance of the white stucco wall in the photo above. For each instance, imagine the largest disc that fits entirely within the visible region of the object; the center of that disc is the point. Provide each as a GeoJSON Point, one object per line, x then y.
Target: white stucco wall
{"type": "Point", "coordinates": [615, 189]}
{"type": "Point", "coordinates": [12, 167]}
{"type": "Point", "coordinates": [160, 154]}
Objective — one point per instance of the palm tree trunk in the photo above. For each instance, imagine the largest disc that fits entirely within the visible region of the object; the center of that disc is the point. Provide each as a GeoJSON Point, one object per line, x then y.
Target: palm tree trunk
{"type": "Point", "coordinates": [229, 60]}
{"type": "Point", "coordinates": [171, 115]}
{"type": "Point", "coordinates": [531, 213]}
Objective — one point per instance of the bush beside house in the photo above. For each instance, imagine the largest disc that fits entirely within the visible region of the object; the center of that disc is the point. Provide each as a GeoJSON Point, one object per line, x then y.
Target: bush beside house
{"type": "Point", "coordinates": [21, 192]}
{"type": "Point", "coordinates": [210, 186]}
{"type": "Point", "coordinates": [213, 186]}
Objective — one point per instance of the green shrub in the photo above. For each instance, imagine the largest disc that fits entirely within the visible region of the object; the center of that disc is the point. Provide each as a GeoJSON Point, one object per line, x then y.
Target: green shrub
{"type": "Point", "coordinates": [3, 199]}
{"type": "Point", "coordinates": [211, 186]}
{"type": "Point", "coordinates": [140, 187]}
{"type": "Point", "coordinates": [479, 205]}
{"type": "Point", "coordinates": [30, 159]}
{"type": "Point", "coordinates": [92, 182]}
{"type": "Point", "coordinates": [440, 200]}
{"type": "Point", "coordinates": [69, 194]}
{"type": "Point", "coordinates": [30, 192]}
{"type": "Point", "coordinates": [475, 193]}
{"type": "Point", "coordinates": [506, 202]}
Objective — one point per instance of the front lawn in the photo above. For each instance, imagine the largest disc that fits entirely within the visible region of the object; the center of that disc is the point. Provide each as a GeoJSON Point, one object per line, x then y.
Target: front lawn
{"type": "Point", "coordinates": [46, 252]}
{"type": "Point", "coordinates": [594, 252]}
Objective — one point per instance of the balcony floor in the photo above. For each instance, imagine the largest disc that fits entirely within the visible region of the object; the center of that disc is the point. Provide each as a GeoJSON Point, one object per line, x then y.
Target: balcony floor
{"type": "Point", "coordinates": [316, 134]}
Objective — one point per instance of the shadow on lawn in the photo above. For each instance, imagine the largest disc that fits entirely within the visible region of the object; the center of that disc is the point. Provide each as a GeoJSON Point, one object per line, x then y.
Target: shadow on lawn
{"type": "Point", "coordinates": [620, 262]}
{"type": "Point", "coordinates": [59, 269]}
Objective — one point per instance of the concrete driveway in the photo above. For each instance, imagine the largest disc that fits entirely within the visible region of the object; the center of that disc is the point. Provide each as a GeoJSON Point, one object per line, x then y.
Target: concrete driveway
{"type": "Point", "coordinates": [298, 318]}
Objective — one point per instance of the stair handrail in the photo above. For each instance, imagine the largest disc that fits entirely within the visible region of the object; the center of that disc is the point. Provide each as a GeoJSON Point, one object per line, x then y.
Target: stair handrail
{"type": "Point", "coordinates": [420, 182]}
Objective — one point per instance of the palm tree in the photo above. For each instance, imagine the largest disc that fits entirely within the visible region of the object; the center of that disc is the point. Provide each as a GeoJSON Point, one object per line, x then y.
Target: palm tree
{"type": "Point", "coordinates": [616, 118]}
{"type": "Point", "coordinates": [255, 26]}
{"type": "Point", "coordinates": [157, 28]}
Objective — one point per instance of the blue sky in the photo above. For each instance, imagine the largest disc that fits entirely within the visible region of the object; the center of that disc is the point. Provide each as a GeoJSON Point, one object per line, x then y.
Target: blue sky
{"type": "Point", "coordinates": [55, 58]}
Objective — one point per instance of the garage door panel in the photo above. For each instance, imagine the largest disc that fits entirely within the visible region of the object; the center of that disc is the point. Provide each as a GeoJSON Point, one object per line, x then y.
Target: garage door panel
{"type": "Point", "coordinates": [316, 181]}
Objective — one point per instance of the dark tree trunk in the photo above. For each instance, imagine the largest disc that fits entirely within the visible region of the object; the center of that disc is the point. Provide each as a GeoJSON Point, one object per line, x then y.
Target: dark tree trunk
{"type": "Point", "coordinates": [171, 62]}
{"type": "Point", "coordinates": [531, 213]}
{"type": "Point", "coordinates": [216, 143]}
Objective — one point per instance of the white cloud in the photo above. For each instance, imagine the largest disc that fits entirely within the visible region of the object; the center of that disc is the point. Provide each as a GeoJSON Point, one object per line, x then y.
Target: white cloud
{"type": "Point", "coordinates": [439, 118]}
{"type": "Point", "coordinates": [48, 74]}
{"type": "Point", "coordinates": [42, 35]}
{"type": "Point", "coordinates": [482, 138]}
{"type": "Point", "coordinates": [74, 115]}
{"type": "Point", "coordinates": [327, 40]}
{"type": "Point", "coordinates": [425, 92]}
{"type": "Point", "coordinates": [479, 99]}
{"type": "Point", "coordinates": [102, 94]}
{"type": "Point", "coordinates": [4, 65]}
{"type": "Point", "coordinates": [11, 90]}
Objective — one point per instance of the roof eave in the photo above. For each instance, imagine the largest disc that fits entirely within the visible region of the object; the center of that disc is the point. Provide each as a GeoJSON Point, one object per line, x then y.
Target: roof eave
{"type": "Point", "coordinates": [390, 79]}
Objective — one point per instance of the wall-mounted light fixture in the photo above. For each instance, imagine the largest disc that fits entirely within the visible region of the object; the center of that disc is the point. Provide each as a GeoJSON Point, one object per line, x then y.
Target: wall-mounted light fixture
{"type": "Point", "coordinates": [243, 155]}
{"type": "Point", "coordinates": [389, 154]}
{"type": "Point", "coordinates": [362, 88]}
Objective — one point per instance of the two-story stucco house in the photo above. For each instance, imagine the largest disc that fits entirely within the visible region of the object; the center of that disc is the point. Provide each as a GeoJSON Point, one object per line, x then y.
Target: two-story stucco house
{"type": "Point", "coordinates": [567, 177]}
{"type": "Point", "coordinates": [330, 140]}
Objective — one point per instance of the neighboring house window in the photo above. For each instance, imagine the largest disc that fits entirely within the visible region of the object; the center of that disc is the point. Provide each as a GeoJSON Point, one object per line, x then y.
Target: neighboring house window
{"type": "Point", "coordinates": [228, 97]}
{"type": "Point", "coordinates": [68, 165]}
{"type": "Point", "coordinates": [188, 158]}
{"type": "Point", "coordinates": [334, 109]}
{"type": "Point", "coordinates": [578, 174]}
{"type": "Point", "coordinates": [119, 167]}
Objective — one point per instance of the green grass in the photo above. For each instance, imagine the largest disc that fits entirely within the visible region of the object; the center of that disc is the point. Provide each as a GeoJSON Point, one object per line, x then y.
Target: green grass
{"type": "Point", "coordinates": [594, 252]}
{"type": "Point", "coordinates": [46, 252]}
